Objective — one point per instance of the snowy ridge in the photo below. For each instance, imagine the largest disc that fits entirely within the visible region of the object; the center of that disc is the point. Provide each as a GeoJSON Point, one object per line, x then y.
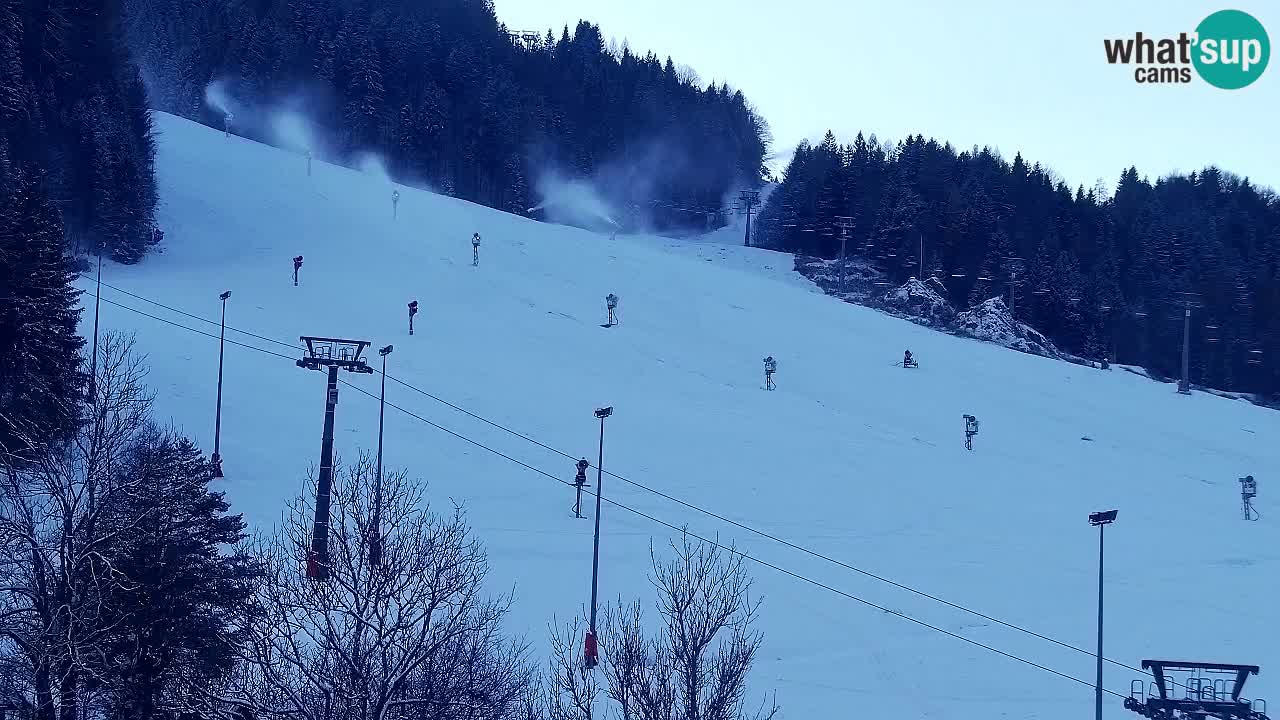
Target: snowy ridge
{"type": "Point", "coordinates": [852, 456]}
{"type": "Point", "coordinates": [991, 321]}
{"type": "Point", "coordinates": [924, 301]}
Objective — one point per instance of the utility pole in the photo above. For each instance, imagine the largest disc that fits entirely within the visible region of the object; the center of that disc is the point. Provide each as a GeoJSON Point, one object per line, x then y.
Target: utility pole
{"type": "Point", "coordinates": [749, 199]}
{"type": "Point", "coordinates": [217, 421]}
{"type": "Point", "coordinates": [375, 531]}
{"type": "Point", "coordinates": [97, 304]}
{"type": "Point", "coordinates": [1101, 520]}
{"type": "Point", "coordinates": [330, 354]}
{"type": "Point", "coordinates": [845, 223]}
{"type": "Point", "coordinates": [595, 553]}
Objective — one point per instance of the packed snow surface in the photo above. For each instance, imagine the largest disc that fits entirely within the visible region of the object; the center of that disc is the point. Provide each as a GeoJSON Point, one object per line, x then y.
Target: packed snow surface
{"type": "Point", "coordinates": [852, 456]}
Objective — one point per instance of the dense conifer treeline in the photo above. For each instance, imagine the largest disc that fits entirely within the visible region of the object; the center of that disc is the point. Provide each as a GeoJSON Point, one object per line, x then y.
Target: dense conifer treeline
{"type": "Point", "coordinates": [451, 100]}
{"type": "Point", "coordinates": [1097, 274]}
{"type": "Point", "coordinates": [75, 175]}
{"type": "Point", "coordinates": [73, 118]}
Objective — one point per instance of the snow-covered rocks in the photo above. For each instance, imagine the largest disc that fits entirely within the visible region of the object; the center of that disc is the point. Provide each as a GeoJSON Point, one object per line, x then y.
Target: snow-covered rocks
{"type": "Point", "coordinates": [991, 321]}
{"type": "Point", "coordinates": [924, 301]}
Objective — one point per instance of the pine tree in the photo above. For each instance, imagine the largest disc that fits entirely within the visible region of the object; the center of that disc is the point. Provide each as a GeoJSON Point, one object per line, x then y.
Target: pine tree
{"type": "Point", "coordinates": [173, 631]}
{"type": "Point", "coordinates": [41, 379]}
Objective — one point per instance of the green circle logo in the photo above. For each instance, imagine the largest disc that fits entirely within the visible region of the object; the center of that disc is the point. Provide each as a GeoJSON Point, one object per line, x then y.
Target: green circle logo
{"type": "Point", "coordinates": [1232, 49]}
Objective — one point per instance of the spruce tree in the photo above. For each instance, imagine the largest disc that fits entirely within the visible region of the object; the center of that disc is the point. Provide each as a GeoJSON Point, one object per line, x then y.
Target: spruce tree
{"type": "Point", "coordinates": [41, 377]}
{"type": "Point", "coordinates": [186, 580]}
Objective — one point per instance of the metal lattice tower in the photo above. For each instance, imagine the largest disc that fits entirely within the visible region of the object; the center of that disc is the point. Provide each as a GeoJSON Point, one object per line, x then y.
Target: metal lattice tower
{"type": "Point", "coordinates": [329, 355]}
{"type": "Point", "coordinates": [748, 200]}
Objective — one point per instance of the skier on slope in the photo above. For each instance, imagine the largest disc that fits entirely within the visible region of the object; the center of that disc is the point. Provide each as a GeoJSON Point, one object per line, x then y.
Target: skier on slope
{"type": "Point", "coordinates": [611, 303]}
{"type": "Point", "coordinates": [475, 250]}
{"type": "Point", "coordinates": [970, 429]}
{"type": "Point", "coordinates": [297, 265]}
{"type": "Point", "coordinates": [770, 367]}
{"type": "Point", "coordinates": [907, 360]}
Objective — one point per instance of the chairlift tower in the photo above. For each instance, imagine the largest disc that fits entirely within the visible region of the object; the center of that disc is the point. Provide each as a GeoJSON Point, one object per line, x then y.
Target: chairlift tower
{"type": "Point", "coordinates": [329, 355]}
{"type": "Point", "coordinates": [749, 199]}
{"type": "Point", "coordinates": [1210, 690]}
{"type": "Point", "coordinates": [527, 39]}
{"type": "Point", "coordinates": [1186, 301]}
{"type": "Point", "coordinates": [1014, 269]}
{"type": "Point", "coordinates": [845, 223]}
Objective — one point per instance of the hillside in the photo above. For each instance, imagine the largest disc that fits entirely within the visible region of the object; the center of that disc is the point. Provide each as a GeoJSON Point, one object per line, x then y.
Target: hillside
{"type": "Point", "coordinates": [852, 456]}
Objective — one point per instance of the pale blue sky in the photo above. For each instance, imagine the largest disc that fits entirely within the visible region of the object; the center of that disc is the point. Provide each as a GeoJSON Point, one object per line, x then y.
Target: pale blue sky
{"type": "Point", "coordinates": [1020, 75]}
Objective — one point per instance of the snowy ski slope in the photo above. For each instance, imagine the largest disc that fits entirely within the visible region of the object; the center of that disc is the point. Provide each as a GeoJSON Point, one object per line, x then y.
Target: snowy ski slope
{"type": "Point", "coordinates": [852, 456]}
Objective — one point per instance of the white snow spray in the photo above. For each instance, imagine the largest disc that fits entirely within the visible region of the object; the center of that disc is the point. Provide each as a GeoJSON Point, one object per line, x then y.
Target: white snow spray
{"type": "Point", "coordinates": [373, 165]}
{"type": "Point", "coordinates": [573, 202]}
{"type": "Point", "coordinates": [217, 97]}
{"type": "Point", "coordinates": [293, 132]}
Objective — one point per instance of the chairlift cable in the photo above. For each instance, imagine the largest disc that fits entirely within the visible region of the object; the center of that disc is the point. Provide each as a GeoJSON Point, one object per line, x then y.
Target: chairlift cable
{"type": "Point", "coordinates": [659, 493]}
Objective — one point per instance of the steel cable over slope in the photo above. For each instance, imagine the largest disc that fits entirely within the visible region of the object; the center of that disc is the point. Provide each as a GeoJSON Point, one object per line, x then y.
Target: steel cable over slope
{"type": "Point", "coordinates": [691, 506]}
{"type": "Point", "coordinates": [684, 530]}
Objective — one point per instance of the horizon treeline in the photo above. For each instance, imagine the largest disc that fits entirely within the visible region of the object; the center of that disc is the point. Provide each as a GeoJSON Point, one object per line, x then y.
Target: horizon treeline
{"type": "Point", "coordinates": [1100, 276]}
{"type": "Point", "coordinates": [453, 102]}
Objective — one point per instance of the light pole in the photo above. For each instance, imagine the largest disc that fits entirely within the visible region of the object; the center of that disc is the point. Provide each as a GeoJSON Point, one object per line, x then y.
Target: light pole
{"type": "Point", "coordinates": [97, 303]}
{"type": "Point", "coordinates": [217, 421]}
{"type": "Point", "coordinates": [1102, 520]}
{"type": "Point", "coordinates": [375, 531]}
{"type": "Point", "coordinates": [920, 270]}
{"type": "Point", "coordinates": [591, 658]}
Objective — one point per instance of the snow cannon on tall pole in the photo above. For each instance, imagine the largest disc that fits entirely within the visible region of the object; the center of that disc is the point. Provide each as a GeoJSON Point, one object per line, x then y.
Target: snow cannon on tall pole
{"type": "Point", "coordinates": [590, 652]}
{"type": "Point", "coordinates": [375, 527]}
{"type": "Point", "coordinates": [226, 124]}
{"type": "Point", "coordinates": [216, 460]}
{"type": "Point", "coordinates": [329, 355]}
{"type": "Point", "coordinates": [579, 483]}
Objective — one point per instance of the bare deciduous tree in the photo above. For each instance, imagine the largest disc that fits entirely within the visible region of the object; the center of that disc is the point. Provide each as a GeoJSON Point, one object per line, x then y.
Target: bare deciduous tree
{"type": "Point", "coordinates": [56, 529]}
{"type": "Point", "coordinates": [696, 666]}
{"type": "Point", "coordinates": [387, 641]}
{"type": "Point", "coordinates": [573, 688]}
